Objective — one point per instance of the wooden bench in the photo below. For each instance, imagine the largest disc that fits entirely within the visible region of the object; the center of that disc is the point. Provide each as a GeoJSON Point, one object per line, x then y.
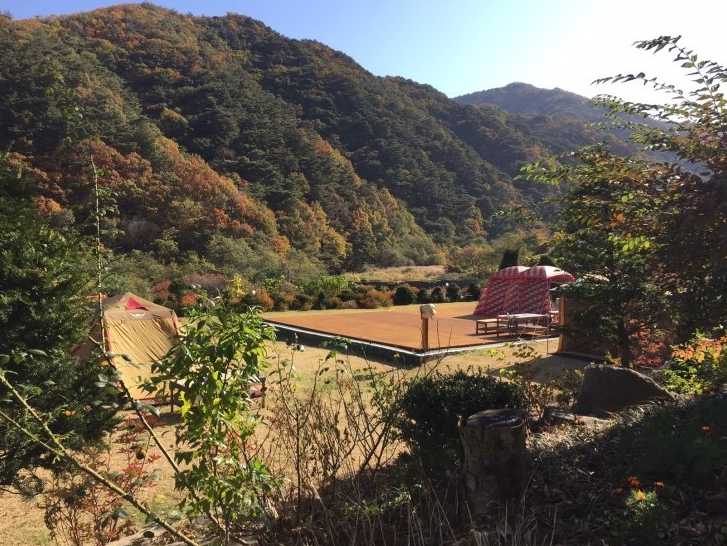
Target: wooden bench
{"type": "Point", "coordinates": [485, 326]}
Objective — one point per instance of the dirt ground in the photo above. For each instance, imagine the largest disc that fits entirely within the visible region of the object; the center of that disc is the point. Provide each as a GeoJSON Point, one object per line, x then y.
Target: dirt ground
{"type": "Point", "coordinates": [537, 353]}
{"type": "Point", "coordinates": [21, 522]}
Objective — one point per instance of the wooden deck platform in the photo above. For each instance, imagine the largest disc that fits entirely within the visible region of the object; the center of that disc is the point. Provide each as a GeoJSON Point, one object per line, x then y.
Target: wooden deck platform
{"type": "Point", "coordinates": [396, 327]}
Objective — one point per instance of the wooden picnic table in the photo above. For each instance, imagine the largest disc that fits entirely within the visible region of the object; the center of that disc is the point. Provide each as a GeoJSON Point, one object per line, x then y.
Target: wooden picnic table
{"type": "Point", "coordinates": [515, 322]}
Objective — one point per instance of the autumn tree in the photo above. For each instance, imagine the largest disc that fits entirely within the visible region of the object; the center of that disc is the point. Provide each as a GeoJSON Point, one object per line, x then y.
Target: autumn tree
{"type": "Point", "coordinates": [647, 239]}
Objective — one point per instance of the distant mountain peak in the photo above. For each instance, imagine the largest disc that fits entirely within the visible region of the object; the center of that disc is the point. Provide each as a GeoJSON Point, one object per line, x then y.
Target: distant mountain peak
{"type": "Point", "coordinates": [525, 98]}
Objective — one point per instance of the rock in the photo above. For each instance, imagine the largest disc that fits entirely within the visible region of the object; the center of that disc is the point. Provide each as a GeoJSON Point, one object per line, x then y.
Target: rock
{"type": "Point", "coordinates": [609, 388]}
{"type": "Point", "coordinates": [555, 416]}
{"type": "Point", "coordinates": [142, 538]}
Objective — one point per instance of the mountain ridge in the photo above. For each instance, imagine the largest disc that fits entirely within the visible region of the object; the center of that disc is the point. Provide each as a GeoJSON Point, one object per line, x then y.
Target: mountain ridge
{"type": "Point", "coordinates": [525, 98]}
{"type": "Point", "coordinates": [224, 141]}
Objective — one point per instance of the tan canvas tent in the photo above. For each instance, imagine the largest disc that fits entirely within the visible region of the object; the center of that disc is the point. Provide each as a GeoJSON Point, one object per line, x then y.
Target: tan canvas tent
{"type": "Point", "coordinates": [138, 328]}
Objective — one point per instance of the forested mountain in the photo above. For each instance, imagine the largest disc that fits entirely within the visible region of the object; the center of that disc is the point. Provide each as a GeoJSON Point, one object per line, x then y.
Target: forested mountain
{"type": "Point", "coordinates": [523, 98]}
{"type": "Point", "coordinates": [224, 142]}
{"type": "Point", "coordinates": [562, 120]}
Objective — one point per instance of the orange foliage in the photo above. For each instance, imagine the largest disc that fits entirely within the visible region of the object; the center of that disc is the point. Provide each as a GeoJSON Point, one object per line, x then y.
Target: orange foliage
{"type": "Point", "coordinates": [280, 245]}
{"type": "Point", "coordinates": [698, 350]}
{"type": "Point", "coordinates": [188, 299]}
{"type": "Point", "coordinates": [46, 206]}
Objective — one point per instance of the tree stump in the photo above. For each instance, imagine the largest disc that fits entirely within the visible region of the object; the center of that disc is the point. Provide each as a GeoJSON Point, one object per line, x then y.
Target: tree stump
{"type": "Point", "coordinates": [495, 457]}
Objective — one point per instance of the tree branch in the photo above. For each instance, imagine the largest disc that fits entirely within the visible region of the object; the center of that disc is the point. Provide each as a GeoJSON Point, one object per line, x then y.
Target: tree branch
{"type": "Point", "coordinates": [58, 449]}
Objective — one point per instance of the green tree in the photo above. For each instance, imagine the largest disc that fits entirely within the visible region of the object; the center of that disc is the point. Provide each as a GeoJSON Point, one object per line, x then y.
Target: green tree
{"type": "Point", "coordinates": [607, 239]}
{"type": "Point", "coordinates": [648, 238]}
{"type": "Point", "coordinates": [691, 182]}
{"type": "Point", "coordinates": [221, 352]}
{"type": "Point", "coordinates": [45, 277]}
{"type": "Point", "coordinates": [510, 257]}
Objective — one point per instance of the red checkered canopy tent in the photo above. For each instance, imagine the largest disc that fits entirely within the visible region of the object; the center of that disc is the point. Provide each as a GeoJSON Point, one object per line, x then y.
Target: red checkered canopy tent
{"type": "Point", "coordinates": [520, 289]}
{"type": "Point", "coordinates": [497, 291]}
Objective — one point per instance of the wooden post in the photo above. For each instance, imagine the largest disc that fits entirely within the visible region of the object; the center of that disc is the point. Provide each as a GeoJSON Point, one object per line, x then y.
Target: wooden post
{"type": "Point", "coordinates": [495, 457]}
{"type": "Point", "coordinates": [426, 311]}
{"type": "Point", "coordinates": [425, 334]}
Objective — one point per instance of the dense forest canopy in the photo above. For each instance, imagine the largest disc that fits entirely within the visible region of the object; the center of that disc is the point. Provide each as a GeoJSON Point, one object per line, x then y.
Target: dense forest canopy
{"type": "Point", "coordinates": [225, 144]}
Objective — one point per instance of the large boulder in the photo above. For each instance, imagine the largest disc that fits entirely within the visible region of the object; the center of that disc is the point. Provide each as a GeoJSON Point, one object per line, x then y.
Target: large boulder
{"type": "Point", "coordinates": [608, 388]}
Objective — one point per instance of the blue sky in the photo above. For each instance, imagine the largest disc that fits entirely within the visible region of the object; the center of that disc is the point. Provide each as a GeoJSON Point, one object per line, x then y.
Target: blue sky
{"type": "Point", "coordinates": [459, 46]}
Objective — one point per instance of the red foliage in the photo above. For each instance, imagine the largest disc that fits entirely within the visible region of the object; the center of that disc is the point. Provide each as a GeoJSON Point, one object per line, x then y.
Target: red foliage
{"type": "Point", "coordinates": [188, 299]}
{"type": "Point", "coordinates": [81, 511]}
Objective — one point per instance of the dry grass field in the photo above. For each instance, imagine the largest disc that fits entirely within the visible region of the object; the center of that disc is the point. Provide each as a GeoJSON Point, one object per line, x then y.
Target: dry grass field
{"type": "Point", "coordinates": [21, 522]}
{"type": "Point", "coordinates": [415, 273]}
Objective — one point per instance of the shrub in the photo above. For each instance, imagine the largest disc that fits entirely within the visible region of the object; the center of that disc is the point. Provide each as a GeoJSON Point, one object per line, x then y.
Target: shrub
{"type": "Point", "coordinates": [328, 302]}
{"type": "Point", "coordinates": [260, 298]}
{"type": "Point", "coordinates": [328, 285]}
{"type": "Point", "coordinates": [349, 304]}
{"type": "Point", "coordinates": [473, 292]}
{"type": "Point", "coordinates": [684, 444]}
{"type": "Point", "coordinates": [302, 302]}
{"type": "Point", "coordinates": [349, 293]}
{"type": "Point", "coordinates": [453, 292]}
{"type": "Point", "coordinates": [79, 510]}
{"type": "Point", "coordinates": [405, 295]}
{"type": "Point", "coordinates": [320, 301]}
{"type": "Point", "coordinates": [424, 296]}
{"type": "Point", "coordinates": [438, 295]}
{"type": "Point", "coordinates": [697, 367]}
{"type": "Point", "coordinates": [374, 298]}
{"type": "Point", "coordinates": [284, 301]}
{"type": "Point", "coordinates": [431, 408]}
{"type": "Point", "coordinates": [215, 424]}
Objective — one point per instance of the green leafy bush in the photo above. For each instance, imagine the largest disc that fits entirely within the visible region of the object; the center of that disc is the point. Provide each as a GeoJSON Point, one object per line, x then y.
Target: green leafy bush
{"type": "Point", "coordinates": [328, 285]}
{"type": "Point", "coordinates": [404, 295]}
{"type": "Point", "coordinates": [438, 295]}
{"type": "Point", "coordinates": [219, 356]}
{"type": "Point", "coordinates": [685, 445]}
{"type": "Point", "coordinates": [645, 516]}
{"type": "Point", "coordinates": [424, 296]}
{"type": "Point", "coordinates": [697, 367]}
{"type": "Point", "coordinates": [453, 292]}
{"type": "Point", "coordinates": [432, 406]}
{"type": "Point", "coordinates": [302, 302]}
{"type": "Point", "coordinates": [473, 292]}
